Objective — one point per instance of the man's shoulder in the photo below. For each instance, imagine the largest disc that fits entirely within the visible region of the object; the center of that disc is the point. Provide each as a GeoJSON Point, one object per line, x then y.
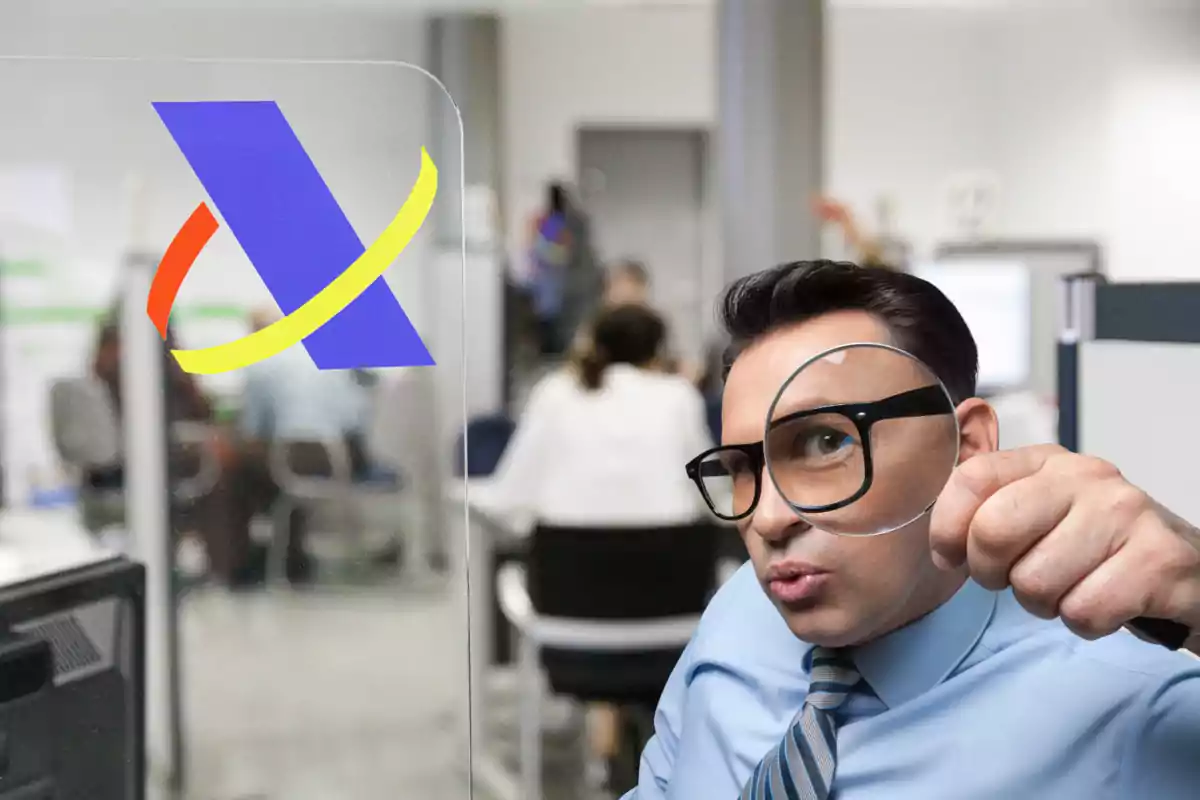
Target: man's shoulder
{"type": "Point", "coordinates": [1125, 655]}
{"type": "Point", "coordinates": [1118, 665]}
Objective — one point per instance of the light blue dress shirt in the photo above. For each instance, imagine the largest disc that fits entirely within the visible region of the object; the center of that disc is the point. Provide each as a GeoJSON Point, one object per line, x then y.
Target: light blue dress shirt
{"type": "Point", "coordinates": [287, 397]}
{"type": "Point", "coordinates": [977, 701]}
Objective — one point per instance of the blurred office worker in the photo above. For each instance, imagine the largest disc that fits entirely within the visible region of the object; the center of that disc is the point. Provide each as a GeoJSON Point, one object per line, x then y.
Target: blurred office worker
{"type": "Point", "coordinates": [627, 282]}
{"type": "Point", "coordinates": [96, 426]}
{"type": "Point", "coordinates": [186, 401]}
{"type": "Point", "coordinates": [967, 655]}
{"type": "Point", "coordinates": [286, 399]}
{"type": "Point", "coordinates": [601, 444]}
{"type": "Point", "coordinates": [565, 281]}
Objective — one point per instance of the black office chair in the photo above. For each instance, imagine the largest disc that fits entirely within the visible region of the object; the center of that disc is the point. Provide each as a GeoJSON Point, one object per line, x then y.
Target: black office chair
{"type": "Point", "coordinates": [712, 413]}
{"type": "Point", "coordinates": [606, 612]}
{"type": "Point", "coordinates": [486, 440]}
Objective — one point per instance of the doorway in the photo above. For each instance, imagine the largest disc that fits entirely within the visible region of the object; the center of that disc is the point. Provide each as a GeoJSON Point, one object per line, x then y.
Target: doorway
{"type": "Point", "coordinates": [646, 192]}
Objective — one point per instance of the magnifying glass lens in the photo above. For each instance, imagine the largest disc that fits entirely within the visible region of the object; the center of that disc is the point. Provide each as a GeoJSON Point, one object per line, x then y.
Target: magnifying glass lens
{"type": "Point", "coordinates": [861, 440]}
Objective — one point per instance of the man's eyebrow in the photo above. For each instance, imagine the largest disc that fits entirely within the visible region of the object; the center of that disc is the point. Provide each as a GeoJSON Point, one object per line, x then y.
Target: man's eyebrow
{"type": "Point", "coordinates": [789, 407]}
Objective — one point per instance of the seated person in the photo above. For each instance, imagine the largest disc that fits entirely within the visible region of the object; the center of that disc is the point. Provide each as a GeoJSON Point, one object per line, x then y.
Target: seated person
{"type": "Point", "coordinates": [184, 401]}
{"type": "Point", "coordinates": [614, 425]}
{"type": "Point", "coordinates": [286, 398]}
{"type": "Point", "coordinates": [626, 283]}
{"type": "Point", "coordinates": [604, 445]}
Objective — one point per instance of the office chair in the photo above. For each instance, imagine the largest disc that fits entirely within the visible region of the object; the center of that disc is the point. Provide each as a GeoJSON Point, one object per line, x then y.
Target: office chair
{"type": "Point", "coordinates": [403, 436]}
{"type": "Point", "coordinates": [712, 409]}
{"type": "Point", "coordinates": [196, 467]}
{"type": "Point", "coordinates": [83, 424]}
{"type": "Point", "coordinates": [486, 439]}
{"type": "Point", "coordinates": [607, 613]}
{"type": "Point", "coordinates": [318, 476]}
{"type": "Point", "coordinates": [324, 481]}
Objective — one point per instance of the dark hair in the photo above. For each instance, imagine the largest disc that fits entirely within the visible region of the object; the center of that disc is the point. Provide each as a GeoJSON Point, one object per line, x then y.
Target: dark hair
{"type": "Point", "coordinates": [556, 198]}
{"type": "Point", "coordinates": [624, 335]}
{"type": "Point", "coordinates": [631, 268]}
{"type": "Point", "coordinates": [921, 319]}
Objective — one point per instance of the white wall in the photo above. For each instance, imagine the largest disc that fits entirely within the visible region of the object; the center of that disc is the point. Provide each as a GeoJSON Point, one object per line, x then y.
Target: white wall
{"type": "Point", "coordinates": [908, 96]}
{"type": "Point", "coordinates": [561, 69]}
{"type": "Point", "coordinates": [1086, 117]}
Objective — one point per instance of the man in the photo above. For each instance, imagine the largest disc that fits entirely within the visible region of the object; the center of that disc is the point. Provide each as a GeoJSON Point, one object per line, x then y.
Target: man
{"type": "Point", "coordinates": [285, 398]}
{"type": "Point", "coordinates": [960, 657]}
{"type": "Point", "coordinates": [627, 282]}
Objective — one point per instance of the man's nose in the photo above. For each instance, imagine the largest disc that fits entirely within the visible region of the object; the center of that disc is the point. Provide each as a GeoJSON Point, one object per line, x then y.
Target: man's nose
{"type": "Point", "coordinates": [773, 519]}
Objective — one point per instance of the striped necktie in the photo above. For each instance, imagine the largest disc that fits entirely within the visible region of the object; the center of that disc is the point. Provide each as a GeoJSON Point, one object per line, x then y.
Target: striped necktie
{"type": "Point", "coordinates": [802, 766]}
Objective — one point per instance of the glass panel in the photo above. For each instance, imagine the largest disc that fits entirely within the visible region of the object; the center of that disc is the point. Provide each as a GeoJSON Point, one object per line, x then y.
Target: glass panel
{"type": "Point", "coordinates": [319, 588]}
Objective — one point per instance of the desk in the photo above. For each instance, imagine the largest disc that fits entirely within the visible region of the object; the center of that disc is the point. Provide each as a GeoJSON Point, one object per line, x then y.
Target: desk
{"type": "Point", "coordinates": [39, 542]}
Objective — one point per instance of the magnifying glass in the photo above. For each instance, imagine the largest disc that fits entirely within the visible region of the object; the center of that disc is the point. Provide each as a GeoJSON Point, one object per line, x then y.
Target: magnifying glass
{"type": "Point", "coordinates": [861, 440]}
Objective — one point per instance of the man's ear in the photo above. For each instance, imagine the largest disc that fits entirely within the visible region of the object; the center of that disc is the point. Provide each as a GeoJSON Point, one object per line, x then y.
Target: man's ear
{"type": "Point", "coordinates": [979, 429]}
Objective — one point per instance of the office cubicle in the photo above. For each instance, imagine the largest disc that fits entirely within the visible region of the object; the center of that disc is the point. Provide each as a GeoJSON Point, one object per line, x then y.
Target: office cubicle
{"type": "Point", "coordinates": [1129, 377]}
{"type": "Point", "coordinates": [1045, 262]}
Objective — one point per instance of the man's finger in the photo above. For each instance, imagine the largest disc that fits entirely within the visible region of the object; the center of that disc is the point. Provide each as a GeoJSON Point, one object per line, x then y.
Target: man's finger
{"type": "Point", "coordinates": [1121, 588]}
{"type": "Point", "coordinates": [970, 485]}
{"type": "Point", "coordinates": [1011, 522]}
{"type": "Point", "coordinates": [1057, 563]}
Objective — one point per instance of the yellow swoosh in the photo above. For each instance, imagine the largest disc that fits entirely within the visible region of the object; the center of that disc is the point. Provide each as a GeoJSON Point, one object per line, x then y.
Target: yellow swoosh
{"type": "Point", "coordinates": [329, 302]}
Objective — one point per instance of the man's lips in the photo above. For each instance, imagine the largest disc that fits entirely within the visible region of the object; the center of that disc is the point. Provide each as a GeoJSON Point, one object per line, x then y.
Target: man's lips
{"type": "Point", "coordinates": [792, 569]}
{"type": "Point", "coordinates": [795, 581]}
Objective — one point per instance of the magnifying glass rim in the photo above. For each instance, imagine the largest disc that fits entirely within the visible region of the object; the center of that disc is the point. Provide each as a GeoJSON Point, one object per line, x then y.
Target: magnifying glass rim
{"type": "Point", "coordinates": [804, 512]}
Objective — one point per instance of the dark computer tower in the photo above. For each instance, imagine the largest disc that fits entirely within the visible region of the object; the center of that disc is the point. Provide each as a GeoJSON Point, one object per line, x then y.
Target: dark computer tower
{"type": "Point", "coordinates": [72, 685]}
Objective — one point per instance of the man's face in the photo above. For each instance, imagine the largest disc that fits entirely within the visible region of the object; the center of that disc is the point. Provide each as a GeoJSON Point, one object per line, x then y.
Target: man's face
{"type": "Point", "coordinates": [625, 290]}
{"type": "Point", "coordinates": [867, 585]}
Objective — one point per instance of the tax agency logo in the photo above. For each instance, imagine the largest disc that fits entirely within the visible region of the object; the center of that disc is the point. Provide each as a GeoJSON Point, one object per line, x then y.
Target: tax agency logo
{"type": "Point", "coordinates": [329, 287]}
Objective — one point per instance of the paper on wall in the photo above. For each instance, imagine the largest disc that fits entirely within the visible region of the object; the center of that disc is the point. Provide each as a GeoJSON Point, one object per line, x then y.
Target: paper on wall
{"type": "Point", "coordinates": [35, 197]}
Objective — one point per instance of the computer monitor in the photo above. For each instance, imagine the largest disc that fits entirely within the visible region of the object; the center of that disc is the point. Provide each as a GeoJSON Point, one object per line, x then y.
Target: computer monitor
{"type": "Point", "coordinates": [994, 297]}
{"type": "Point", "coordinates": [71, 685]}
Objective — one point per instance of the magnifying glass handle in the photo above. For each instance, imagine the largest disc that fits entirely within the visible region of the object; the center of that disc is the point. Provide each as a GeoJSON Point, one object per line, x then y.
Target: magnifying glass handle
{"type": "Point", "coordinates": [1170, 635]}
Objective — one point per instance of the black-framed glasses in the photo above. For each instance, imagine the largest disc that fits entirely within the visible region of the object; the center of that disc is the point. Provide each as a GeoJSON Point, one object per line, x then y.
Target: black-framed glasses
{"type": "Point", "coordinates": [820, 458]}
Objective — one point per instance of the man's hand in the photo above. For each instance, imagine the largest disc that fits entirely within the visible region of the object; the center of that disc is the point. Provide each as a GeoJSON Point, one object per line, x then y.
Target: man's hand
{"type": "Point", "coordinates": [1072, 538]}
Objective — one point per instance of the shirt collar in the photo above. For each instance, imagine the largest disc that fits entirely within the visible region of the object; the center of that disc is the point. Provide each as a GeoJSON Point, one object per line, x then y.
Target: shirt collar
{"type": "Point", "coordinates": [912, 660]}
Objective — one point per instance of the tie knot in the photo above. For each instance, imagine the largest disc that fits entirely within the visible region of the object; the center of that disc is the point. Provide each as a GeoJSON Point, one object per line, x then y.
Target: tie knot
{"type": "Point", "coordinates": [833, 676]}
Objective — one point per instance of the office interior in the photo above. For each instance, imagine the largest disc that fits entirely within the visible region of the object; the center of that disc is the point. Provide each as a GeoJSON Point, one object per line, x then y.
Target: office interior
{"type": "Point", "coordinates": [1037, 162]}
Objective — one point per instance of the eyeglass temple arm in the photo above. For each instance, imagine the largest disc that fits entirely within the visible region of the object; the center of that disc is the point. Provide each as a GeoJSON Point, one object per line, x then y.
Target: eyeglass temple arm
{"type": "Point", "coordinates": [923, 402]}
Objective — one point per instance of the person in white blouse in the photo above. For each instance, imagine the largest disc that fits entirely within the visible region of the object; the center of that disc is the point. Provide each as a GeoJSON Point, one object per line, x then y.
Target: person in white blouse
{"type": "Point", "coordinates": [604, 442]}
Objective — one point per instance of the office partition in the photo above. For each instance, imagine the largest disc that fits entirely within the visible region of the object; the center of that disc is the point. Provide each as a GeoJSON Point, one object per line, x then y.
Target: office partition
{"type": "Point", "coordinates": [1046, 262]}
{"type": "Point", "coordinates": [1129, 372]}
{"type": "Point", "coordinates": [136, 191]}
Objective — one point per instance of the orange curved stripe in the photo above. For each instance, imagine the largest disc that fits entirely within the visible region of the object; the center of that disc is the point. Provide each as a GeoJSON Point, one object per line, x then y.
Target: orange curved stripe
{"type": "Point", "coordinates": [176, 262]}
